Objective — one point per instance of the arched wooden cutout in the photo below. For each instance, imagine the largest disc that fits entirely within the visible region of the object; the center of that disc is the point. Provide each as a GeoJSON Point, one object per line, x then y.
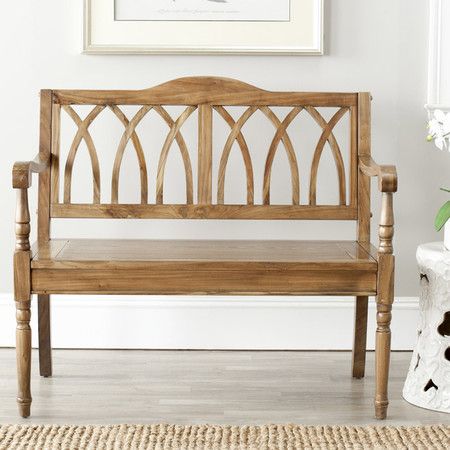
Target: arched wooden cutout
{"type": "Point", "coordinates": [295, 178]}
{"type": "Point", "coordinates": [129, 133]}
{"type": "Point", "coordinates": [174, 134]}
{"type": "Point", "coordinates": [280, 133]}
{"type": "Point", "coordinates": [235, 135]}
{"type": "Point", "coordinates": [82, 133]}
{"type": "Point", "coordinates": [184, 153]}
{"type": "Point", "coordinates": [327, 135]}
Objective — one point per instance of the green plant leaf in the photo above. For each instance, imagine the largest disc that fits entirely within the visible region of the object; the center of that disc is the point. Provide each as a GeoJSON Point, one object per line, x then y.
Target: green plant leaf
{"type": "Point", "coordinates": [442, 216]}
{"type": "Point", "coordinates": [444, 189]}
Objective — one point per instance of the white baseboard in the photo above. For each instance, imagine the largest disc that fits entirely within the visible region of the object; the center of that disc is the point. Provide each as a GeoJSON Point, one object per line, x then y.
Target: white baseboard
{"type": "Point", "coordinates": [291, 323]}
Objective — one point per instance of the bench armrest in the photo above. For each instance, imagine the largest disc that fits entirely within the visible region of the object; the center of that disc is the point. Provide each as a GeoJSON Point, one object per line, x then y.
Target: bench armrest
{"type": "Point", "coordinates": [387, 183]}
{"type": "Point", "coordinates": [387, 175]}
{"type": "Point", "coordinates": [21, 181]}
{"type": "Point", "coordinates": [22, 170]}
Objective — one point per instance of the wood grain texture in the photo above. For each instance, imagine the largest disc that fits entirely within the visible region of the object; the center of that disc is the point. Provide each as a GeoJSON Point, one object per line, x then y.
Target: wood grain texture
{"type": "Point", "coordinates": [235, 135]}
{"type": "Point", "coordinates": [216, 94]}
{"type": "Point", "coordinates": [228, 212]}
{"type": "Point", "coordinates": [22, 293]}
{"type": "Point", "coordinates": [82, 134]}
{"type": "Point", "coordinates": [203, 90]}
{"type": "Point", "coordinates": [45, 142]}
{"type": "Point", "coordinates": [290, 152]}
{"type": "Point", "coordinates": [45, 346]}
{"type": "Point", "coordinates": [387, 175]}
{"type": "Point", "coordinates": [386, 226]}
{"type": "Point", "coordinates": [206, 267]}
{"type": "Point", "coordinates": [174, 134]}
{"type": "Point", "coordinates": [22, 297]}
{"type": "Point", "coordinates": [205, 279]}
{"type": "Point", "coordinates": [207, 386]}
{"type": "Point", "coordinates": [385, 298]}
{"type": "Point", "coordinates": [281, 134]}
{"type": "Point", "coordinates": [128, 253]}
{"type": "Point", "coordinates": [360, 337]}
{"type": "Point", "coordinates": [204, 187]}
{"type": "Point", "coordinates": [129, 133]}
{"type": "Point", "coordinates": [55, 153]}
{"type": "Point", "coordinates": [353, 156]}
{"type": "Point", "coordinates": [364, 149]}
{"type": "Point", "coordinates": [23, 350]}
{"type": "Point", "coordinates": [23, 170]}
{"type": "Point", "coordinates": [327, 136]}
{"type": "Point", "coordinates": [22, 221]}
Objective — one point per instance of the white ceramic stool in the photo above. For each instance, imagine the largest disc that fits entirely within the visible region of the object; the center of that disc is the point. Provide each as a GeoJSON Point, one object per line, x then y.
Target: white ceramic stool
{"type": "Point", "coordinates": [428, 381]}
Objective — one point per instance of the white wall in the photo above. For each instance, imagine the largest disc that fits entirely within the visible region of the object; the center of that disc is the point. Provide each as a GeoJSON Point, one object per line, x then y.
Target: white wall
{"type": "Point", "coordinates": [377, 46]}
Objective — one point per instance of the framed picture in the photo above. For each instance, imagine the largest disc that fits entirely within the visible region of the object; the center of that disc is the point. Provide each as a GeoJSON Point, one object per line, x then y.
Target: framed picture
{"type": "Point", "coordinates": [204, 26]}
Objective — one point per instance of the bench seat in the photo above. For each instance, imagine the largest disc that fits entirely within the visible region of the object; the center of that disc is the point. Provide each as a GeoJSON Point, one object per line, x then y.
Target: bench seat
{"type": "Point", "coordinates": [248, 267]}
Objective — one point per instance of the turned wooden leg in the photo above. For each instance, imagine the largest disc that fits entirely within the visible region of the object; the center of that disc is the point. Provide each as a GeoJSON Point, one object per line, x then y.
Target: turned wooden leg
{"type": "Point", "coordinates": [382, 359]}
{"type": "Point", "coordinates": [45, 346]}
{"type": "Point", "coordinates": [385, 297]}
{"type": "Point", "coordinates": [360, 337]}
{"type": "Point", "coordinates": [22, 297]}
{"type": "Point", "coordinates": [383, 335]}
{"type": "Point", "coordinates": [23, 351]}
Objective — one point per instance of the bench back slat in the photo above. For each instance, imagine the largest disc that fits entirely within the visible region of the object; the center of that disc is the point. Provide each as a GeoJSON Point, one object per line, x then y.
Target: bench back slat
{"type": "Point", "coordinates": [209, 98]}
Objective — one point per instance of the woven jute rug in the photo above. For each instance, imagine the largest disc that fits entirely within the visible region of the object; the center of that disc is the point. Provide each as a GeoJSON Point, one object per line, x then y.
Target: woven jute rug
{"type": "Point", "coordinates": [123, 437]}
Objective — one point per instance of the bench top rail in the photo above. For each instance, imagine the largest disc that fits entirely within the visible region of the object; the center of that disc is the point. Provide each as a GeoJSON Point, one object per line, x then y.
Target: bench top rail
{"type": "Point", "coordinates": [203, 90]}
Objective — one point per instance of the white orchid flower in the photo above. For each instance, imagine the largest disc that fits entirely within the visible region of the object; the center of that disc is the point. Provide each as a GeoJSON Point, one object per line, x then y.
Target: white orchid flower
{"type": "Point", "coordinates": [439, 129]}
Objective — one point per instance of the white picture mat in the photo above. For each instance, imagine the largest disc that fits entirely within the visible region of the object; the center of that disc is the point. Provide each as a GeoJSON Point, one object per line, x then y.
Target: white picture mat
{"type": "Point", "coordinates": [301, 35]}
{"type": "Point", "coordinates": [199, 10]}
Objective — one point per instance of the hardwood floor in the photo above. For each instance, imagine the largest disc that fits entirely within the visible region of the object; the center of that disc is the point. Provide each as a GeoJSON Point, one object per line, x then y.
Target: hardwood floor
{"type": "Point", "coordinates": [192, 387]}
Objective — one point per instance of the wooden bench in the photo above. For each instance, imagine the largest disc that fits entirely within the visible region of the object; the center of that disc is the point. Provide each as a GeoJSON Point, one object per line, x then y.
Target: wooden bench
{"type": "Point", "coordinates": [239, 267]}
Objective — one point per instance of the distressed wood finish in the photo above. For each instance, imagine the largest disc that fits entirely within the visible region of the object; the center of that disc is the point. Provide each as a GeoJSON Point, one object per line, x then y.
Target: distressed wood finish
{"type": "Point", "coordinates": [235, 135]}
{"type": "Point", "coordinates": [235, 93]}
{"type": "Point", "coordinates": [360, 337]}
{"type": "Point", "coordinates": [203, 90]}
{"type": "Point", "coordinates": [204, 186]}
{"type": "Point", "coordinates": [22, 293]}
{"type": "Point", "coordinates": [232, 212]}
{"type": "Point", "coordinates": [327, 136]}
{"type": "Point", "coordinates": [204, 267]}
{"type": "Point", "coordinates": [385, 298]}
{"type": "Point", "coordinates": [174, 134]}
{"type": "Point", "coordinates": [55, 154]}
{"type": "Point", "coordinates": [45, 346]}
{"type": "Point", "coordinates": [364, 142]}
{"type": "Point", "coordinates": [82, 134]}
{"type": "Point", "coordinates": [129, 133]}
{"type": "Point", "coordinates": [280, 128]}
{"type": "Point", "coordinates": [207, 267]}
{"type": "Point", "coordinates": [45, 141]}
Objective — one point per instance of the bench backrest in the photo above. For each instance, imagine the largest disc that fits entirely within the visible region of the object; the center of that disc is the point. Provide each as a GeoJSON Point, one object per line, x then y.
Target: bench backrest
{"type": "Point", "coordinates": [209, 99]}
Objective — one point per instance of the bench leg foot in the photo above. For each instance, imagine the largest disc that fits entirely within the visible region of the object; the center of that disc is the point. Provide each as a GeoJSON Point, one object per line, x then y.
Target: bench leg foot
{"type": "Point", "coordinates": [381, 410]}
{"type": "Point", "coordinates": [23, 353]}
{"type": "Point", "coordinates": [360, 337]}
{"type": "Point", "coordinates": [24, 409]}
{"type": "Point", "coordinates": [45, 346]}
